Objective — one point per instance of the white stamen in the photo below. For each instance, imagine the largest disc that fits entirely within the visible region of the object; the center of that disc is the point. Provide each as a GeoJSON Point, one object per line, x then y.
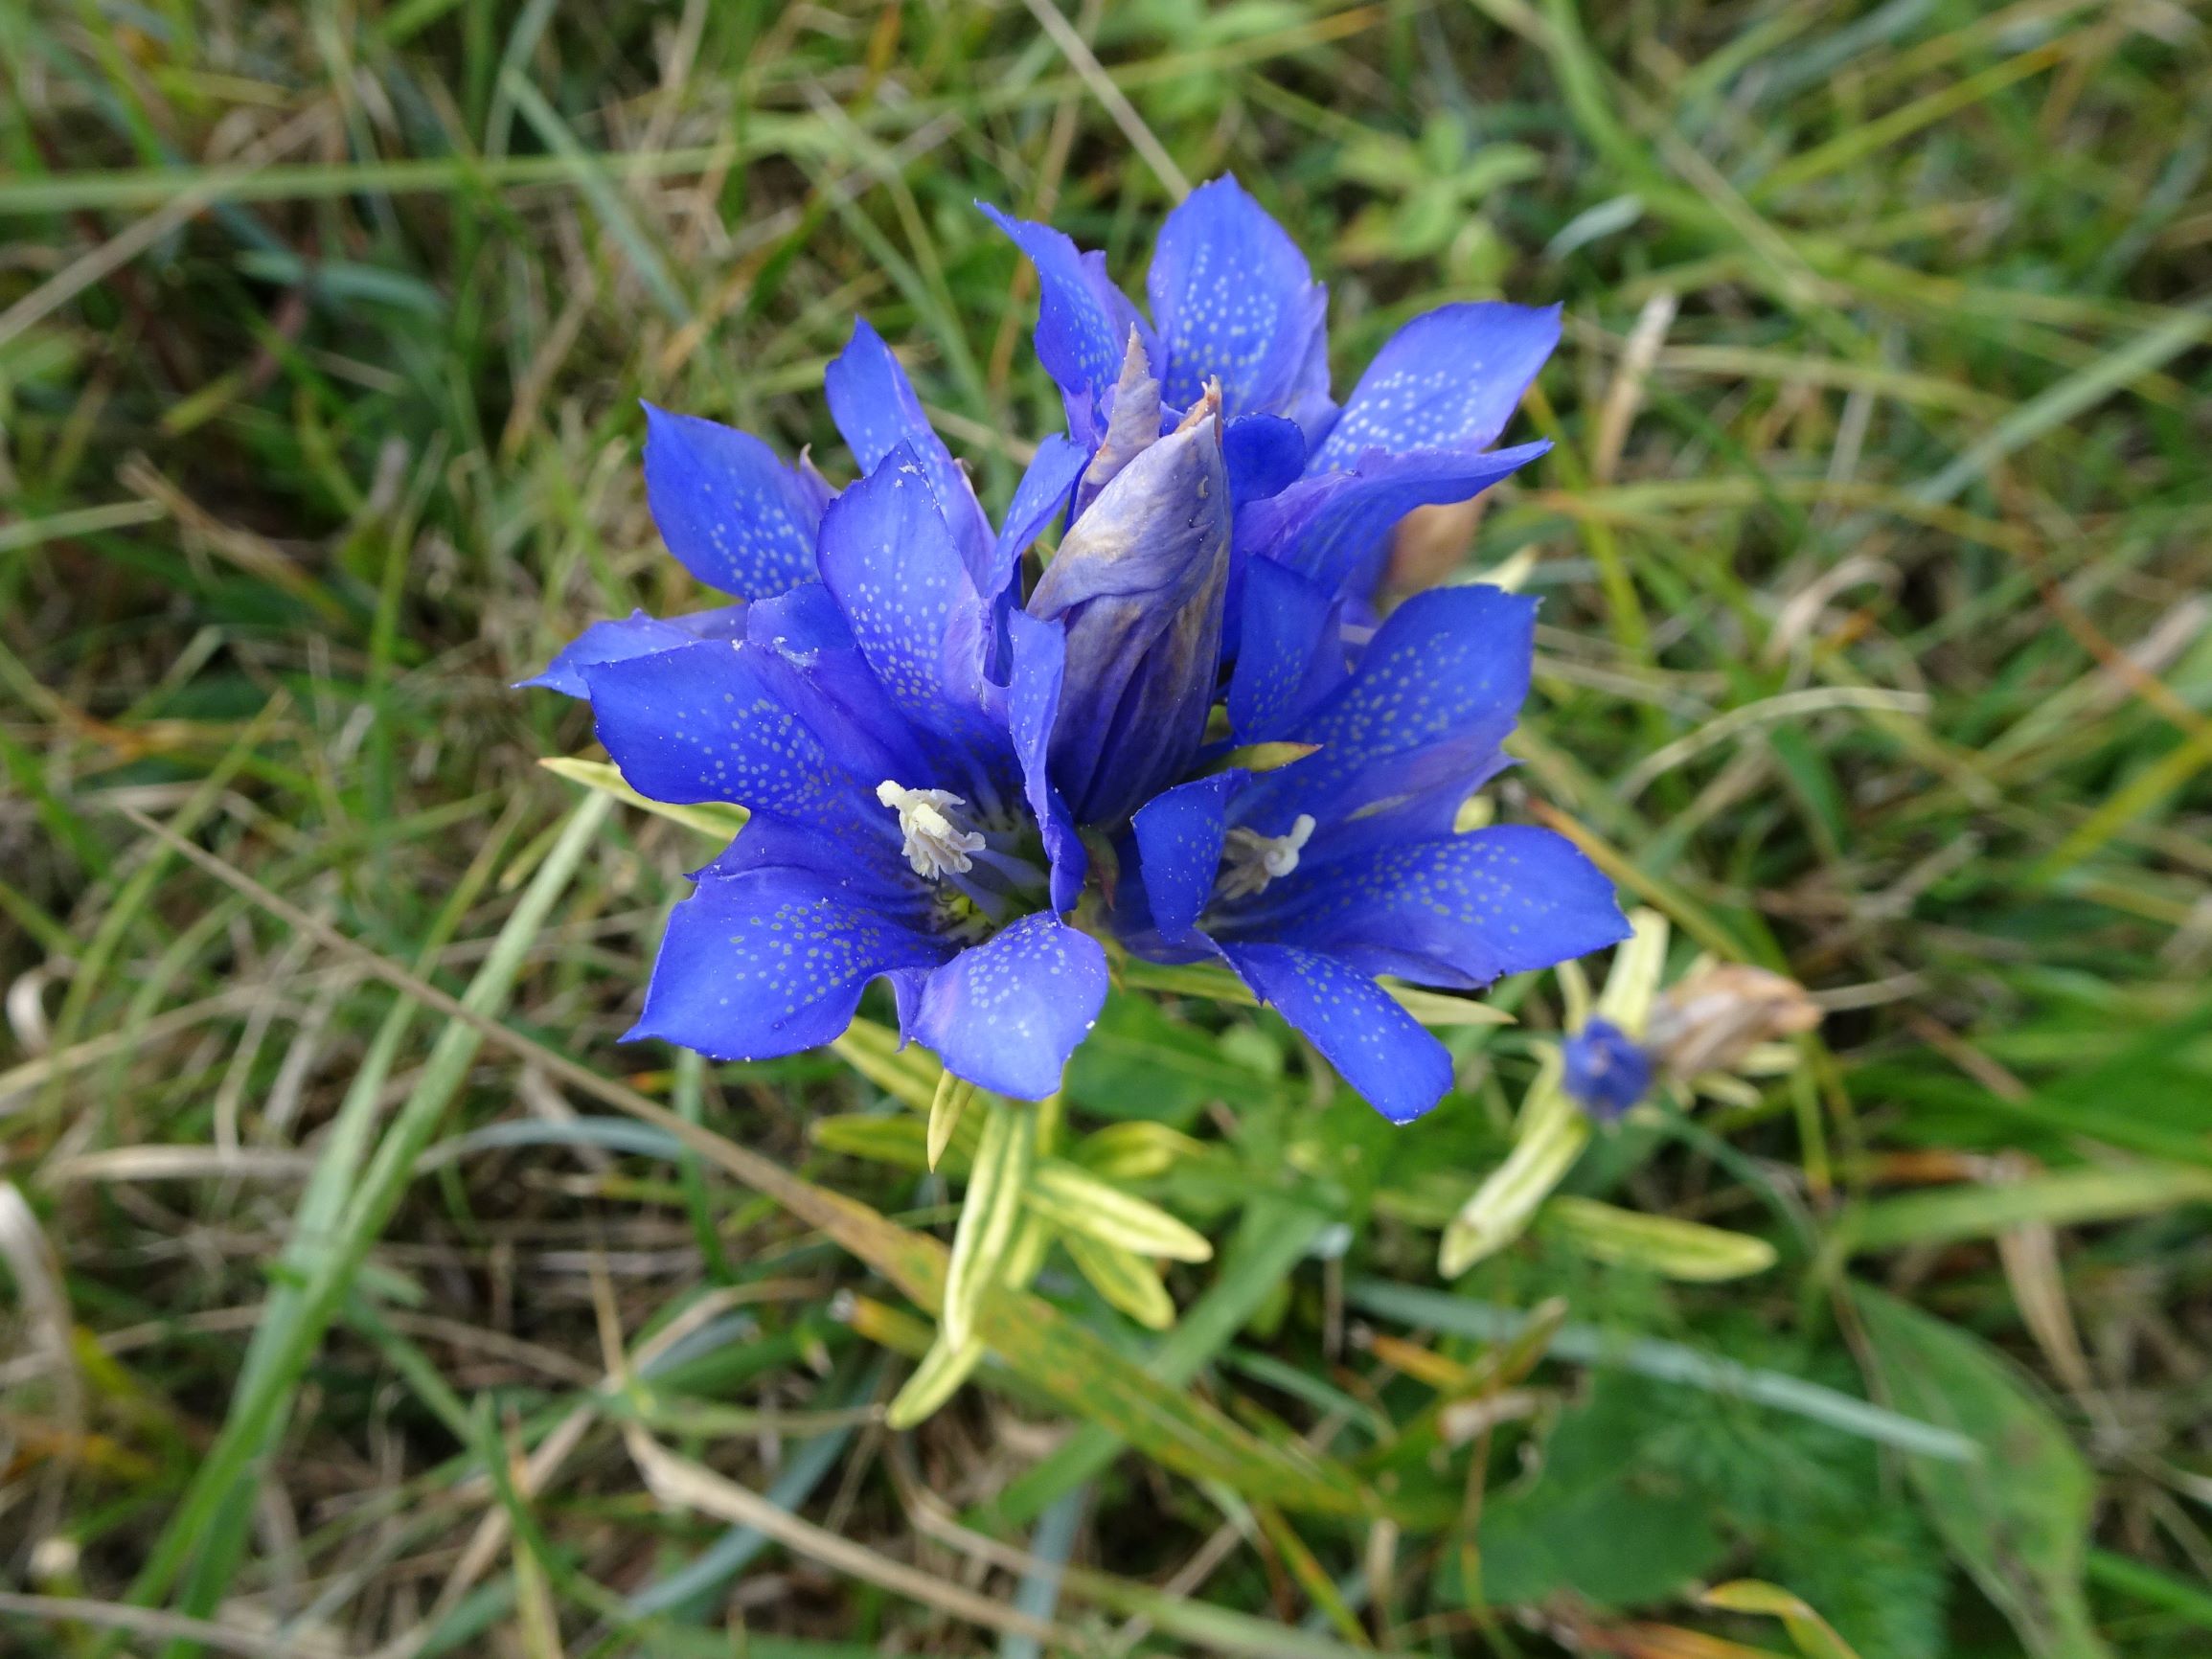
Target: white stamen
{"type": "Point", "coordinates": [938, 840]}
{"type": "Point", "coordinates": [1251, 860]}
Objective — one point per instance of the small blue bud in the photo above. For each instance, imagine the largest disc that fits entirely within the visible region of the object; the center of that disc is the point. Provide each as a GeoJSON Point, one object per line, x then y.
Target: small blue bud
{"type": "Point", "coordinates": [1606, 1070]}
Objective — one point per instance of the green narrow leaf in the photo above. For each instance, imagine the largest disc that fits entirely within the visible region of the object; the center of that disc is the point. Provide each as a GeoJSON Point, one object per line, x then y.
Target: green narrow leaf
{"type": "Point", "coordinates": [1551, 1135]}
{"type": "Point", "coordinates": [1127, 1280]}
{"type": "Point", "coordinates": [1661, 1245]}
{"type": "Point", "coordinates": [2058, 1200]}
{"type": "Point", "coordinates": [2018, 1517]}
{"type": "Point", "coordinates": [988, 1213]}
{"type": "Point", "coordinates": [1077, 1201]}
{"type": "Point", "coordinates": [935, 1380]}
{"type": "Point", "coordinates": [945, 1109]}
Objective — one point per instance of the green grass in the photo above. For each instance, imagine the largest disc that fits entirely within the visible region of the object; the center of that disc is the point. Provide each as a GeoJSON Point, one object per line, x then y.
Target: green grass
{"type": "Point", "coordinates": [364, 1291]}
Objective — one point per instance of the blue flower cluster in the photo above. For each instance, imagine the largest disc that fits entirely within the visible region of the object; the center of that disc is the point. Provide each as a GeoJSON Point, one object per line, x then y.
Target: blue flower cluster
{"type": "Point", "coordinates": [962, 779]}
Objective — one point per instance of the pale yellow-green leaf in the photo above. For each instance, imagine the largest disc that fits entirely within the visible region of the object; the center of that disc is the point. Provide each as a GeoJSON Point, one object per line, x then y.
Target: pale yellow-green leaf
{"type": "Point", "coordinates": [1435, 1008]}
{"type": "Point", "coordinates": [1660, 1244]}
{"type": "Point", "coordinates": [1135, 1150]}
{"type": "Point", "coordinates": [908, 1075]}
{"type": "Point", "coordinates": [1633, 981]}
{"type": "Point", "coordinates": [1219, 984]}
{"type": "Point", "coordinates": [988, 1213]}
{"type": "Point", "coordinates": [1263, 756]}
{"type": "Point", "coordinates": [1127, 1280]}
{"type": "Point", "coordinates": [1812, 1635]}
{"type": "Point", "coordinates": [947, 1105]}
{"type": "Point", "coordinates": [1074, 1200]}
{"type": "Point", "coordinates": [1550, 1136]}
{"type": "Point", "coordinates": [896, 1141]}
{"type": "Point", "coordinates": [935, 1380]}
{"type": "Point", "coordinates": [714, 819]}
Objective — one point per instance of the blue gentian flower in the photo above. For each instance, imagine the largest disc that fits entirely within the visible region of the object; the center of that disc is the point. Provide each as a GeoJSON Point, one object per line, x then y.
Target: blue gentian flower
{"type": "Point", "coordinates": [1312, 879]}
{"type": "Point", "coordinates": [1233, 302]}
{"type": "Point", "coordinates": [1605, 1070]}
{"type": "Point", "coordinates": [932, 758]}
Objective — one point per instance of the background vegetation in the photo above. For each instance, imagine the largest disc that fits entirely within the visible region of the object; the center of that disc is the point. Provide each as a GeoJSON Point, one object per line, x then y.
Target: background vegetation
{"type": "Point", "coordinates": [348, 1319]}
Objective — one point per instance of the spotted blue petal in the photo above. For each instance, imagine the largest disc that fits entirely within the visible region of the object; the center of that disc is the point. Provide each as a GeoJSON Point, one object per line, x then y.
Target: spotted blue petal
{"type": "Point", "coordinates": [770, 962]}
{"type": "Point", "coordinates": [1442, 678]}
{"type": "Point", "coordinates": [1376, 1046]}
{"type": "Point", "coordinates": [1046, 489]}
{"type": "Point", "coordinates": [1082, 323]}
{"type": "Point", "coordinates": [890, 562]}
{"type": "Point", "coordinates": [1460, 911]}
{"type": "Point", "coordinates": [1233, 300]}
{"type": "Point", "coordinates": [1291, 652]}
{"type": "Point", "coordinates": [1006, 1013]}
{"type": "Point", "coordinates": [738, 723]}
{"type": "Point", "coordinates": [734, 516]}
{"type": "Point", "coordinates": [1178, 838]}
{"type": "Point", "coordinates": [1334, 528]}
{"type": "Point", "coordinates": [1449, 379]}
{"type": "Point", "coordinates": [637, 635]}
{"type": "Point", "coordinates": [876, 409]}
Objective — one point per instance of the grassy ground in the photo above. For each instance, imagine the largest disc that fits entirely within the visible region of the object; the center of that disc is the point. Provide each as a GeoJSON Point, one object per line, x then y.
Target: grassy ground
{"type": "Point", "coordinates": [1875, 649]}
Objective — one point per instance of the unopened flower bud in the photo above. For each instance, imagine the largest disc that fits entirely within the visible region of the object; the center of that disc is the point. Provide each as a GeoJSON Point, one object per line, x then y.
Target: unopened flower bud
{"type": "Point", "coordinates": [1138, 585]}
{"type": "Point", "coordinates": [1605, 1070]}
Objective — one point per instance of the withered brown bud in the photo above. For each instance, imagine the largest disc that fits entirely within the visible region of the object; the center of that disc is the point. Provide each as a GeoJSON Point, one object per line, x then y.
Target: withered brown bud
{"type": "Point", "coordinates": [1711, 1020]}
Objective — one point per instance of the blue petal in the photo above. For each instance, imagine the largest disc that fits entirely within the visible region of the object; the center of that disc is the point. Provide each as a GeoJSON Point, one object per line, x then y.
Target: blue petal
{"type": "Point", "coordinates": [1266, 454]}
{"type": "Point", "coordinates": [1435, 693]}
{"type": "Point", "coordinates": [1460, 911]}
{"type": "Point", "coordinates": [734, 516]}
{"type": "Point", "coordinates": [770, 962]}
{"type": "Point", "coordinates": [1235, 300]}
{"type": "Point", "coordinates": [1449, 379]}
{"type": "Point", "coordinates": [1082, 321]}
{"type": "Point", "coordinates": [1333, 528]}
{"type": "Point", "coordinates": [1376, 1046]}
{"type": "Point", "coordinates": [1289, 653]}
{"type": "Point", "coordinates": [892, 564]}
{"type": "Point", "coordinates": [637, 635]}
{"type": "Point", "coordinates": [1040, 666]}
{"type": "Point", "coordinates": [1006, 1013]}
{"type": "Point", "coordinates": [1044, 492]}
{"type": "Point", "coordinates": [1178, 837]}
{"type": "Point", "coordinates": [876, 409]}
{"type": "Point", "coordinates": [739, 723]}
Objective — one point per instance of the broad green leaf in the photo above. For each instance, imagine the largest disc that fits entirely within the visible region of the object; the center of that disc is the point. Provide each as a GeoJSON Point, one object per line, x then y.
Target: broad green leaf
{"type": "Point", "coordinates": [1599, 1518]}
{"type": "Point", "coordinates": [2016, 1518]}
{"type": "Point", "coordinates": [1660, 1245]}
{"type": "Point", "coordinates": [719, 822]}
